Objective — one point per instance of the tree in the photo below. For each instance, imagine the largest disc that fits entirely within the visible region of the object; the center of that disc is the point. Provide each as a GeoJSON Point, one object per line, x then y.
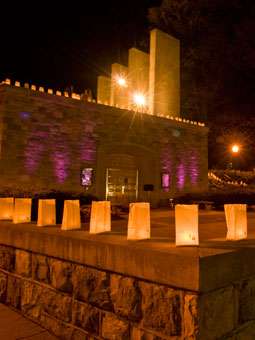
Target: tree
{"type": "Point", "coordinates": [217, 62]}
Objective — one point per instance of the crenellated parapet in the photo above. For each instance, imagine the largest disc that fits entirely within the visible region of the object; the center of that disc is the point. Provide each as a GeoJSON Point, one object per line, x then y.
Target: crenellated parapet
{"type": "Point", "coordinates": [77, 96]}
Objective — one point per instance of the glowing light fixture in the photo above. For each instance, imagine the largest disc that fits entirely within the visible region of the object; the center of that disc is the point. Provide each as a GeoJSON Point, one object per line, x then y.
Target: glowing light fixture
{"type": "Point", "coordinates": [22, 210]}
{"type": "Point", "coordinates": [139, 227]}
{"type": "Point", "coordinates": [100, 217]}
{"type": "Point", "coordinates": [186, 225]}
{"type": "Point", "coordinates": [235, 148]}
{"type": "Point", "coordinates": [236, 219]}
{"type": "Point", "coordinates": [71, 215]}
{"type": "Point", "coordinates": [6, 208]}
{"type": "Point", "coordinates": [139, 99]}
{"type": "Point", "coordinates": [46, 212]}
{"type": "Point", "coordinates": [121, 81]}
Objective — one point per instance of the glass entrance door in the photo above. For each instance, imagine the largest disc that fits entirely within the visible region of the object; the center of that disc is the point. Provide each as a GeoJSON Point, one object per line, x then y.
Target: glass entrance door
{"type": "Point", "coordinates": [121, 185]}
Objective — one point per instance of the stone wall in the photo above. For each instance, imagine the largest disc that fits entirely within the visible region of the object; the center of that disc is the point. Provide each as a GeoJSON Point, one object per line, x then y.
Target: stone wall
{"type": "Point", "coordinates": [47, 139]}
{"type": "Point", "coordinates": [76, 301]}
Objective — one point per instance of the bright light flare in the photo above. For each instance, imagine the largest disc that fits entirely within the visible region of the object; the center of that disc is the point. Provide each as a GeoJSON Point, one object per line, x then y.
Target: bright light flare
{"type": "Point", "coordinates": [235, 148]}
{"type": "Point", "coordinates": [139, 99]}
{"type": "Point", "coordinates": [121, 81]}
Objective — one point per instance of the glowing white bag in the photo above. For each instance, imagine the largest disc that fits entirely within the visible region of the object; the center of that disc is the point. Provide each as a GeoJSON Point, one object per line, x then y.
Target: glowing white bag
{"type": "Point", "coordinates": [71, 215]}
{"type": "Point", "coordinates": [236, 218]}
{"type": "Point", "coordinates": [22, 210]}
{"type": "Point", "coordinates": [6, 208]}
{"type": "Point", "coordinates": [186, 225]}
{"type": "Point", "coordinates": [46, 212]}
{"type": "Point", "coordinates": [100, 217]}
{"type": "Point", "coordinates": [139, 225]}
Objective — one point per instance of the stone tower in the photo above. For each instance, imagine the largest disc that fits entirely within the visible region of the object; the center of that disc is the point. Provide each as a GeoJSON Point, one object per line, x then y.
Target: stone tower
{"type": "Point", "coordinates": [164, 82]}
{"type": "Point", "coordinates": [156, 76]}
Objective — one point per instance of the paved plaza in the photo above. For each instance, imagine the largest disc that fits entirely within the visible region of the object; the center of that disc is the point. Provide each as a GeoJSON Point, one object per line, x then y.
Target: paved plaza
{"type": "Point", "coordinates": [212, 224]}
{"type": "Point", "coordinates": [212, 233]}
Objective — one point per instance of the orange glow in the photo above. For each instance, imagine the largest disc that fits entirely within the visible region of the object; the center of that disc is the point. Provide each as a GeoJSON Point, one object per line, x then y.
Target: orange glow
{"type": "Point", "coordinates": [236, 219]}
{"type": "Point", "coordinates": [235, 148]}
{"type": "Point", "coordinates": [121, 81]}
{"type": "Point", "coordinates": [186, 225]}
{"type": "Point", "coordinates": [139, 99]}
{"type": "Point", "coordinates": [6, 208]}
{"type": "Point", "coordinates": [100, 218]}
{"type": "Point", "coordinates": [22, 210]}
{"type": "Point", "coordinates": [46, 212]}
{"type": "Point", "coordinates": [71, 215]}
{"type": "Point", "coordinates": [139, 227]}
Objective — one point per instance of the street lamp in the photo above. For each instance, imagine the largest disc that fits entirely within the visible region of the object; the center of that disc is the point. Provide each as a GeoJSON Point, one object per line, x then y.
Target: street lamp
{"type": "Point", "coordinates": [235, 149]}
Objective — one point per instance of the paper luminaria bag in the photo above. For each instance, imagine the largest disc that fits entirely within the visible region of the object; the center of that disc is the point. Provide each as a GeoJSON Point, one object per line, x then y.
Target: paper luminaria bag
{"type": "Point", "coordinates": [46, 212]}
{"type": "Point", "coordinates": [186, 225]}
{"type": "Point", "coordinates": [139, 226]}
{"type": "Point", "coordinates": [100, 217]}
{"type": "Point", "coordinates": [236, 219]}
{"type": "Point", "coordinates": [6, 208]}
{"type": "Point", "coordinates": [71, 215]}
{"type": "Point", "coordinates": [22, 210]}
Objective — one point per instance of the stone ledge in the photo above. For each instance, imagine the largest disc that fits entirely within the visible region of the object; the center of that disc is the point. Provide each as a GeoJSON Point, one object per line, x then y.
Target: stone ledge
{"type": "Point", "coordinates": [210, 266]}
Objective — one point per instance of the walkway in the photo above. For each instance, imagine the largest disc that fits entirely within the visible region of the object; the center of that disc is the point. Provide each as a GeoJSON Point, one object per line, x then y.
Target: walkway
{"type": "Point", "coordinates": [13, 326]}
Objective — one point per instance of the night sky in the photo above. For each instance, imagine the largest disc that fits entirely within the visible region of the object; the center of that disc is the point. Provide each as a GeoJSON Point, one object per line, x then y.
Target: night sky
{"type": "Point", "coordinates": [70, 44]}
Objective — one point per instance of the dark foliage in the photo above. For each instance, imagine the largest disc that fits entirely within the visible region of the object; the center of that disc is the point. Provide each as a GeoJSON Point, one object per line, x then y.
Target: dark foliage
{"type": "Point", "coordinates": [26, 191]}
{"type": "Point", "coordinates": [221, 197]}
{"type": "Point", "coordinates": [217, 70]}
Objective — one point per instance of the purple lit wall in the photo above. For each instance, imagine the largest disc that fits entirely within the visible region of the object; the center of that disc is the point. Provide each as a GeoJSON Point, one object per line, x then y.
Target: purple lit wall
{"type": "Point", "coordinates": [87, 149]}
{"type": "Point", "coordinates": [166, 164]}
{"type": "Point", "coordinates": [193, 166]}
{"type": "Point", "coordinates": [181, 174]}
{"type": "Point", "coordinates": [61, 161]}
{"type": "Point", "coordinates": [34, 150]}
{"type": "Point", "coordinates": [180, 160]}
{"type": "Point", "coordinates": [57, 143]}
{"type": "Point", "coordinates": [48, 140]}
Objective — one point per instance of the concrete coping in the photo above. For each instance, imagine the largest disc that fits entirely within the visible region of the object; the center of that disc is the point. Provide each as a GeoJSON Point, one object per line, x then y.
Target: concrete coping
{"type": "Point", "coordinates": [213, 264]}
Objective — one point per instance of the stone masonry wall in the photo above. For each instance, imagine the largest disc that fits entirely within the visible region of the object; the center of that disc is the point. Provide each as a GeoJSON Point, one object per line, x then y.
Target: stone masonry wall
{"type": "Point", "coordinates": [47, 139]}
{"type": "Point", "coordinates": [75, 301]}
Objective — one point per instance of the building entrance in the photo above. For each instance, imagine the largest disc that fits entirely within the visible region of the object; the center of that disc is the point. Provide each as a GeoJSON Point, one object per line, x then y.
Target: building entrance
{"type": "Point", "coordinates": [122, 178]}
{"type": "Point", "coordinates": [121, 185]}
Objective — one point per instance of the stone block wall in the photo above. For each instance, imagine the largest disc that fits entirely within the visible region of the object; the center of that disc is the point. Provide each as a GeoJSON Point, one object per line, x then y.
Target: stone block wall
{"type": "Point", "coordinates": [47, 139]}
{"type": "Point", "coordinates": [75, 301]}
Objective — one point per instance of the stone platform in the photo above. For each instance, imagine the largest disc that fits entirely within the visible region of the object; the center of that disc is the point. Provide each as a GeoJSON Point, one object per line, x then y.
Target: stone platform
{"type": "Point", "coordinates": [78, 285]}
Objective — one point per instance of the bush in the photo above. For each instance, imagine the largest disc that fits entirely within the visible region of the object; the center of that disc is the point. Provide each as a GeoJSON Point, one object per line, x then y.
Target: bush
{"type": "Point", "coordinates": [233, 195]}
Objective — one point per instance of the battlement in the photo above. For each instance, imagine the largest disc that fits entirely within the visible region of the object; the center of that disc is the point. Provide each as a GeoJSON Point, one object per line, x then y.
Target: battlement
{"type": "Point", "coordinates": [77, 96]}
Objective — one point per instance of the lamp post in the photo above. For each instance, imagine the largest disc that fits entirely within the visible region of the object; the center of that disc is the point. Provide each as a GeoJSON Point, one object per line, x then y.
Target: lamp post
{"type": "Point", "coordinates": [235, 149]}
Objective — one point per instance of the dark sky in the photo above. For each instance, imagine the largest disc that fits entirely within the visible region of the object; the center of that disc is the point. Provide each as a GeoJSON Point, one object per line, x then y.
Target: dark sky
{"type": "Point", "coordinates": [69, 44]}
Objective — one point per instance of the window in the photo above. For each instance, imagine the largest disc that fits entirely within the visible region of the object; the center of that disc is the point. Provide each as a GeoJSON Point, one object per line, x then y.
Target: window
{"type": "Point", "coordinates": [86, 176]}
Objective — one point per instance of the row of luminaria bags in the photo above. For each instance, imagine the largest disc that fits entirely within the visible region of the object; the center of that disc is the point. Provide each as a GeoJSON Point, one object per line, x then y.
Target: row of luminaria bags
{"type": "Point", "coordinates": [186, 218]}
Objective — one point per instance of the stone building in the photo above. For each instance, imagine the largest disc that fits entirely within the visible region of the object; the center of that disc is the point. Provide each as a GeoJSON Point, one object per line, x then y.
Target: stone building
{"type": "Point", "coordinates": [111, 151]}
{"type": "Point", "coordinates": [154, 76]}
{"type": "Point", "coordinates": [51, 140]}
